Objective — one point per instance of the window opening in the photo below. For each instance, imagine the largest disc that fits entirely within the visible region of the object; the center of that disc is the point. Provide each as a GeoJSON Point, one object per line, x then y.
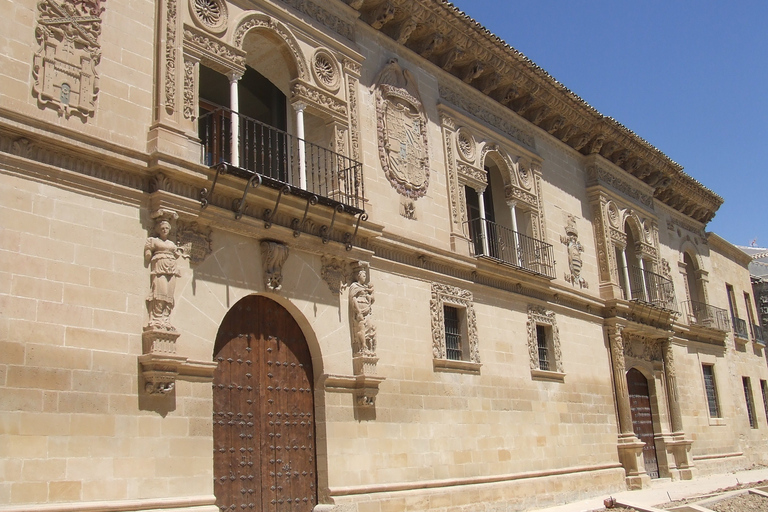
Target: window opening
{"type": "Point", "coordinates": [542, 340]}
{"type": "Point", "coordinates": [452, 333]}
{"type": "Point", "coordinates": [750, 404]}
{"type": "Point", "coordinates": [711, 390]}
{"type": "Point", "coordinates": [764, 389]}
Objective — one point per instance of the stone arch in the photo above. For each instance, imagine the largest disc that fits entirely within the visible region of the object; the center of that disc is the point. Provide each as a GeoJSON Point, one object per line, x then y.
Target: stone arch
{"type": "Point", "coordinates": [493, 152]}
{"type": "Point", "coordinates": [276, 32]}
{"type": "Point", "coordinates": [686, 246]}
{"type": "Point", "coordinates": [633, 222]}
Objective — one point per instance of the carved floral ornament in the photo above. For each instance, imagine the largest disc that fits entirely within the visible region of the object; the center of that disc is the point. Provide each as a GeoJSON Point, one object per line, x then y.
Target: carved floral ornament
{"type": "Point", "coordinates": [209, 14]}
{"type": "Point", "coordinates": [326, 70]}
{"type": "Point", "coordinates": [402, 131]}
{"type": "Point", "coordinates": [466, 144]}
{"type": "Point", "coordinates": [443, 294]}
{"type": "Point", "coordinates": [64, 67]}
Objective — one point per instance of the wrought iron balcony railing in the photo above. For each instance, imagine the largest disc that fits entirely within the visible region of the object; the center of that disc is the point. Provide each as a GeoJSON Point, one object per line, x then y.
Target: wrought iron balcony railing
{"type": "Point", "coordinates": [740, 328]}
{"type": "Point", "coordinates": [705, 315]}
{"type": "Point", "coordinates": [277, 159]}
{"type": "Point", "coordinates": [500, 243]}
{"type": "Point", "coordinates": [759, 334]}
{"type": "Point", "coordinates": [651, 288]}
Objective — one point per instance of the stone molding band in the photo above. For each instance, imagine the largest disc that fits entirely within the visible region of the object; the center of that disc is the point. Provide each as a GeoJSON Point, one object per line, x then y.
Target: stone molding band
{"type": "Point", "coordinates": [454, 482]}
{"type": "Point", "coordinates": [205, 503]}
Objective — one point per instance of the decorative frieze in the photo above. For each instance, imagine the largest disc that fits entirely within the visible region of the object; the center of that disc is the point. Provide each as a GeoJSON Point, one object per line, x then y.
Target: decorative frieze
{"type": "Point", "coordinates": [322, 16]}
{"type": "Point", "coordinates": [202, 45]}
{"type": "Point", "coordinates": [64, 67]}
{"type": "Point", "coordinates": [318, 98]}
{"type": "Point", "coordinates": [597, 175]}
{"type": "Point", "coordinates": [460, 100]}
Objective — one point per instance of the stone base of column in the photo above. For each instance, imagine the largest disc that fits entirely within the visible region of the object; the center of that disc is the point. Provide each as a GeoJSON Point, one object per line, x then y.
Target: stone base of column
{"type": "Point", "coordinates": [678, 450]}
{"type": "Point", "coordinates": [631, 458]}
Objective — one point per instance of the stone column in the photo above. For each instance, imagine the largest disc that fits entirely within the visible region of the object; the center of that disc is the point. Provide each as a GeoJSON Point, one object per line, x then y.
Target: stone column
{"type": "Point", "coordinates": [620, 381]}
{"type": "Point", "coordinates": [234, 105]}
{"type": "Point", "coordinates": [299, 108]}
{"type": "Point", "coordinates": [627, 282]}
{"type": "Point", "coordinates": [513, 212]}
{"type": "Point", "coordinates": [483, 226]}
{"type": "Point", "coordinates": [675, 415]}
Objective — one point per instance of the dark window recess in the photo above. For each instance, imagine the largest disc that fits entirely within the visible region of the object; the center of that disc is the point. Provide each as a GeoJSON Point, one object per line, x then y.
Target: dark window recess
{"type": "Point", "coordinates": [452, 333]}
{"type": "Point", "coordinates": [542, 342]}
{"type": "Point", "coordinates": [764, 388]}
{"type": "Point", "coordinates": [709, 386]}
{"type": "Point", "coordinates": [750, 403]}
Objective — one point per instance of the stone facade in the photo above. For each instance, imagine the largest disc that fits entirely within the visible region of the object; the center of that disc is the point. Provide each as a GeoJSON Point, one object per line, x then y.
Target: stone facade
{"type": "Point", "coordinates": [484, 272]}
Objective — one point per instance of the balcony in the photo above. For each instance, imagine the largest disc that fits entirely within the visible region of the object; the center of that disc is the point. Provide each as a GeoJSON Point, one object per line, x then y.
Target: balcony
{"type": "Point", "coordinates": [705, 315]}
{"type": "Point", "coordinates": [494, 241]}
{"type": "Point", "coordinates": [266, 156]}
{"type": "Point", "coordinates": [740, 328]}
{"type": "Point", "coordinates": [759, 335]}
{"type": "Point", "coordinates": [650, 288]}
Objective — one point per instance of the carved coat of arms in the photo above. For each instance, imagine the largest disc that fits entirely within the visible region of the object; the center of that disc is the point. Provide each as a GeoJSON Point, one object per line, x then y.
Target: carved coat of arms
{"type": "Point", "coordinates": [402, 131]}
{"type": "Point", "coordinates": [65, 64]}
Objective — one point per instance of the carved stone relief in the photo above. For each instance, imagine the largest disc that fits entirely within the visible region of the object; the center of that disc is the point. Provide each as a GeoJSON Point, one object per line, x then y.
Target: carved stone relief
{"type": "Point", "coordinates": [273, 256]}
{"type": "Point", "coordinates": [402, 131]}
{"type": "Point", "coordinates": [574, 247]}
{"type": "Point", "coordinates": [457, 206]}
{"type": "Point", "coordinates": [171, 20]}
{"type": "Point", "coordinates": [209, 14]}
{"type": "Point", "coordinates": [642, 347]}
{"type": "Point", "coordinates": [354, 129]}
{"type": "Point", "coordinates": [318, 98]}
{"type": "Point", "coordinates": [361, 300]}
{"type": "Point", "coordinates": [195, 240]}
{"type": "Point", "coordinates": [408, 208]}
{"type": "Point", "coordinates": [445, 294]}
{"type": "Point", "coordinates": [334, 272]}
{"type": "Point", "coordinates": [466, 144]}
{"type": "Point", "coordinates": [160, 255]}
{"type": "Point", "coordinates": [539, 315]}
{"type": "Point", "coordinates": [326, 70]}
{"type": "Point", "coordinates": [64, 67]}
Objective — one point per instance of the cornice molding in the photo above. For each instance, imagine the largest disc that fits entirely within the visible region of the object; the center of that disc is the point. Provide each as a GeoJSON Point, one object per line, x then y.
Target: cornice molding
{"type": "Point", "coordinates": [445, 36]}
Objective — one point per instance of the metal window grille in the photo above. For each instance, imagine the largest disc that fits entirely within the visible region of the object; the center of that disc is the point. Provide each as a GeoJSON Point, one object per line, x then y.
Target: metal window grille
{"type": "Point", "coordinates": [764, 389]}
{"type": "Point", "coordinates": [709, 386]}
{"type": "Point", "coordinates": [452, 333]}
{"type": "Point", "coordinates": [750, 404]}
{"type": "Point", "coordinates": [541, 341]}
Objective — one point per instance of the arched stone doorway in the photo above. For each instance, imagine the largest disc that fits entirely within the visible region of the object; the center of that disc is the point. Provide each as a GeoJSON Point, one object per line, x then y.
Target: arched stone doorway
{"type": "Point", "coordinates": [263, 411]}
{"type": "Point", "coordinates": [642, 418]}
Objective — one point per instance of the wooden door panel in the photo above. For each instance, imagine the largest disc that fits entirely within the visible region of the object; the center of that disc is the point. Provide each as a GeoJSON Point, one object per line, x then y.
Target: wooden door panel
{"type": "Point", "coordinates": [264, 449]}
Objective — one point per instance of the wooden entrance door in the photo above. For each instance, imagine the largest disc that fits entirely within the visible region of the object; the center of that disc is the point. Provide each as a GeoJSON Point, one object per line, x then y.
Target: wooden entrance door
{"type": "Point", "coordinates": [642, 418]}
{"type": "Point", "coordinates": [263, 411]}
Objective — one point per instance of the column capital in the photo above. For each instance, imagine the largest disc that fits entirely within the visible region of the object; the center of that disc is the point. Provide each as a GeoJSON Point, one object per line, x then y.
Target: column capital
{"type": "Point", "coordinates": [234, 76]}
{"type": "Point", "coordinates": [299, 106]}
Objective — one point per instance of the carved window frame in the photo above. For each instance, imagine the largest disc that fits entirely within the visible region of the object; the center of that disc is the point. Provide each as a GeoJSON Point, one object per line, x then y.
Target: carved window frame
{"type": "Point", "coordinates": [446, 295]}
{"type": "Point", "coordinates": [541, 316]}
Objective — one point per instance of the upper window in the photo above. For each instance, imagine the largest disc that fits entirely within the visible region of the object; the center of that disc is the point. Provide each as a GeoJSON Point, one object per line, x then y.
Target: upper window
{"type": "Point", "coordinates": [764, 389]}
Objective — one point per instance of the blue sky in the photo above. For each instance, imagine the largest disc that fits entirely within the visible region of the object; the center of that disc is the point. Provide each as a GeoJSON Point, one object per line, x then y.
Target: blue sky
{"type": "Point", "coordinates": [688, 76]}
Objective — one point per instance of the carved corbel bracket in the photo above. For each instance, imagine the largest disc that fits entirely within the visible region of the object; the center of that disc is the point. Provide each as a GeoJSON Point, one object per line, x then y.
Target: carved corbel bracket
{"type": "Point", "coordinates": [161, 367]}
{"type": "Point", "coordinates": [365, 388]}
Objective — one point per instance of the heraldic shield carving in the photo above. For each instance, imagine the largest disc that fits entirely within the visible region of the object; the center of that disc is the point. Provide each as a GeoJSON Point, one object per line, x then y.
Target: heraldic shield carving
{"type": "Point", "coordinates": [402, 131]}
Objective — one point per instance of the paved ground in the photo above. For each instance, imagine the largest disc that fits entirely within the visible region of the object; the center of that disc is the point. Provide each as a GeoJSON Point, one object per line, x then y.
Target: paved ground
{"type": "Point", "coordinates": [663, 491]}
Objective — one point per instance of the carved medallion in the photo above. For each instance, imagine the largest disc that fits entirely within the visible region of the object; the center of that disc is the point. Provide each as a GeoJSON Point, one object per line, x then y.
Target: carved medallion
{"type": "Point", "coordinates": [210, 14]}
{"type": "Point", "coordinates": [402, 131]}
{"type": "Point", "coordinates": [64, 66]}
{"type": "Point", "coordinates": [466, 144]}
{"type": "Point", "coordinates": [326, 70]}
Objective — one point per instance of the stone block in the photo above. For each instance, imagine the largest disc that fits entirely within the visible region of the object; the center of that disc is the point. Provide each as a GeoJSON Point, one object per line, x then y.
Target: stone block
{"type": "Point", "coordinates": [39, 378]}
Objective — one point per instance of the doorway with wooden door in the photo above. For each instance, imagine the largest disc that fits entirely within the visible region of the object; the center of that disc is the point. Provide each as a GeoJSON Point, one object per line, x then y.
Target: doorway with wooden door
{"type": "Point", "coordinates": [642, 418]}
{"type": "Point", "coordinates": [263, 411]}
